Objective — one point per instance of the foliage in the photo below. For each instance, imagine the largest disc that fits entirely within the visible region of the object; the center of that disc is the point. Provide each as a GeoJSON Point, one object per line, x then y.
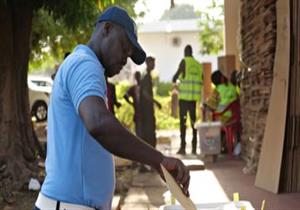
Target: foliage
{"type": "Point", "coordinates": [212, 27]}
{"type": "Point", "coordinates": [59, 26]}
{"type": "Point", "coordinates": [164, 120]}
{"type": "Point", "coordinates": [125, 112]}
{"type": "Point", "coordinates": [52, 37]}
{"type": "Point", "coordinates": [164, 88]}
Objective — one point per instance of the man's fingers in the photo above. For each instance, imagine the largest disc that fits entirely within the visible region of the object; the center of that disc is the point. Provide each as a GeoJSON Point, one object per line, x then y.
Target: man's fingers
{"type": "Point", "coordinates": [186, 184]}
{"type": "Point", "coordinates": [179, 172]}
{"type": "Point", "coordinates": [183, 177]}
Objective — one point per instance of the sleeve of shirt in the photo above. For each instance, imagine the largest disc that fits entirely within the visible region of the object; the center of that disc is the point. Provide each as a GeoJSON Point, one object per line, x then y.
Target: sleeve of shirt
{"type": "Point", "coordinates": [87, 79]}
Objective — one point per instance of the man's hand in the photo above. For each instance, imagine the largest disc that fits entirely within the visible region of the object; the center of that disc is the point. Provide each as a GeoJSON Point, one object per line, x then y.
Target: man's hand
{"type": "Point", "coordinates": [179, 171]}
{"type": "Point", "coordinates": [158, 105]}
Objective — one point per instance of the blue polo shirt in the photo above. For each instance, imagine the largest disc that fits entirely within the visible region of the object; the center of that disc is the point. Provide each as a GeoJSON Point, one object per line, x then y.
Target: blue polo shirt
{"type": "Point", "coordinates": [78, 169]}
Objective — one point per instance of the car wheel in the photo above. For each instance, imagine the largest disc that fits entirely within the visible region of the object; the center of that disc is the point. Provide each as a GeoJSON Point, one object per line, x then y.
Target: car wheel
{"type": "Point", "coordinates": [39, 110]}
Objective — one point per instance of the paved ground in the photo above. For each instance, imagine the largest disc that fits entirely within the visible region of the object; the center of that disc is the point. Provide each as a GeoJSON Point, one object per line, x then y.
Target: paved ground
{"type": "Point", "coordinates": [215, 184]}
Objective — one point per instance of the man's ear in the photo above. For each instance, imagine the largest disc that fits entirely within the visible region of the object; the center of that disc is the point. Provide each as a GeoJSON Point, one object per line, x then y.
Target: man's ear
{"type": "Point", "coordinates": [107, 28]}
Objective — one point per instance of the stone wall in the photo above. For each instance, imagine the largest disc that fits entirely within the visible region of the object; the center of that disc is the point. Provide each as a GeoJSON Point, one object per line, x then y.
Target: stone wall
{"type": "Point", "coordinates": [258, 42]}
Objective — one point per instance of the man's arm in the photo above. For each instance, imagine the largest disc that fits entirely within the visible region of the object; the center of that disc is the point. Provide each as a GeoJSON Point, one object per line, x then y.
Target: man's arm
{"type": "Point", "coordinates": [127, 96]}
{"type": "Point", "coordinates": [149, 98]}
{"type": "Point", "coordinates": [181, 70]}
{"type": "Point", "coordinates": [106, 129]}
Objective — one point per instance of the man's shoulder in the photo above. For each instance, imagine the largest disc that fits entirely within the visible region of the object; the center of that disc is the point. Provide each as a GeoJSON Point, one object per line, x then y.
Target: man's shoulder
{"type": "Point", "coordinates": [81, 66]}
{"type": "Point", "coordinates": [84, 55]}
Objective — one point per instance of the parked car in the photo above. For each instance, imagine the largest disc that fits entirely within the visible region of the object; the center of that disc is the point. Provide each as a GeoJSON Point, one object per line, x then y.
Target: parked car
{"type": "Point", "coordinates": [39, 91]}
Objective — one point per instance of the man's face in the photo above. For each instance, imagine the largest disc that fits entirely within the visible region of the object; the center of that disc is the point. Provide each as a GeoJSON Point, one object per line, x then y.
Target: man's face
{"type": "Point", "coordinates": [116, 50]}
{"type": "Point", "coordinates": [150, 64]}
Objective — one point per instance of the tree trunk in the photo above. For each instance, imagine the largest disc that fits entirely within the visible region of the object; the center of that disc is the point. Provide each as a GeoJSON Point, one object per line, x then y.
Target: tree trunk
{"type": "Point", "coordinates": [17, 159]}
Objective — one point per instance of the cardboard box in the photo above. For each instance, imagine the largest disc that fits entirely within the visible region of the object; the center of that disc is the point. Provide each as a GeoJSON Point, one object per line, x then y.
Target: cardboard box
{"type": "Point", "coordinates": [206, 81]}
{"type": "Point", "coordinates": [226, 64]}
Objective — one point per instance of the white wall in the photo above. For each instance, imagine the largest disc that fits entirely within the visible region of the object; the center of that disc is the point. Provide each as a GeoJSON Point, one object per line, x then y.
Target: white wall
{"type": "Point", "coordinates": [168, 56]}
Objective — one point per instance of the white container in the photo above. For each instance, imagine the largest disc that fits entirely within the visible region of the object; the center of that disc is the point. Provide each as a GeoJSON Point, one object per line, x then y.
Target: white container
{"type": "Point", "coordinates": [215, 206]}
{"type": "Point", "coordinates": [210, 137]}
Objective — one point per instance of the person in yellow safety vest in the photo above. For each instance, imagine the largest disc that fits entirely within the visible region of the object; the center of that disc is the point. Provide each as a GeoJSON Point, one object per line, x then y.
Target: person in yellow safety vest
{"type": "Point", "coordinates": [224, 93]}
{"type": "Point", "coordinates": [228, 94]}
{"type": "Point", "coordinates": [190, 85]}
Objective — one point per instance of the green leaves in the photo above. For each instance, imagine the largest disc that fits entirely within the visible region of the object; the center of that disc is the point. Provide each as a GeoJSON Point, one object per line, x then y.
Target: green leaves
{"type": "Point", "coordinates": [59, 25]}
{"type": "Point", "coordinates": [212, 26]}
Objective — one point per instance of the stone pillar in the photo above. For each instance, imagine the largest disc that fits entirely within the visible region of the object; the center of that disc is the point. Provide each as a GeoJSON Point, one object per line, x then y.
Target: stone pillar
{"type": "Point", "coordinates": [232, 29]}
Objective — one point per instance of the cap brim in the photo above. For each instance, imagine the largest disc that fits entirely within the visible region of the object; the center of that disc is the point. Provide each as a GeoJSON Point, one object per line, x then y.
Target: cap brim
{"type": "Point", "coordinates": [138, 54]}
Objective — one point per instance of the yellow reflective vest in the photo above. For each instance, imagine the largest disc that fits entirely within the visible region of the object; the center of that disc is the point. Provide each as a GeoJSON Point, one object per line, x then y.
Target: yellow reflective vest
{"type": "Point", "coordinates": [228, 94]}
{"type": "Point", "coordinates": [190, 85]}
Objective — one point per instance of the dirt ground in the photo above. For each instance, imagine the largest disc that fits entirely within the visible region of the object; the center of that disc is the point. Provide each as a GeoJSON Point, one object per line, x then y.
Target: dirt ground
{"type": "Point", "coordinates": [24, 201]}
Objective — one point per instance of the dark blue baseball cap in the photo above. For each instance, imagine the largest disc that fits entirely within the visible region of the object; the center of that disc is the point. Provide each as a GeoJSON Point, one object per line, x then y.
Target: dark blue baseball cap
{"type": "Point", "coordinates": [119, 16]}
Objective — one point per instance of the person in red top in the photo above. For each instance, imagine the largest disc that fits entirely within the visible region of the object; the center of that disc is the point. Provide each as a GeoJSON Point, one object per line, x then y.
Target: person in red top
{"type": "Point", "coordinates": [134, 93]}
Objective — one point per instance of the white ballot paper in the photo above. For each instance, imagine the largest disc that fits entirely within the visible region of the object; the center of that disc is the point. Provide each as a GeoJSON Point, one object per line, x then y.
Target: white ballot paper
{"type": "Point", "coordinates": [185, 202]}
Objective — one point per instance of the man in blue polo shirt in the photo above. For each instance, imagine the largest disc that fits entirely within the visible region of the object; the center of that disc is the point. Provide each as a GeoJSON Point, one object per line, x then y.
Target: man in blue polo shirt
{"type": "Point", "coordinates": [82, 133]}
